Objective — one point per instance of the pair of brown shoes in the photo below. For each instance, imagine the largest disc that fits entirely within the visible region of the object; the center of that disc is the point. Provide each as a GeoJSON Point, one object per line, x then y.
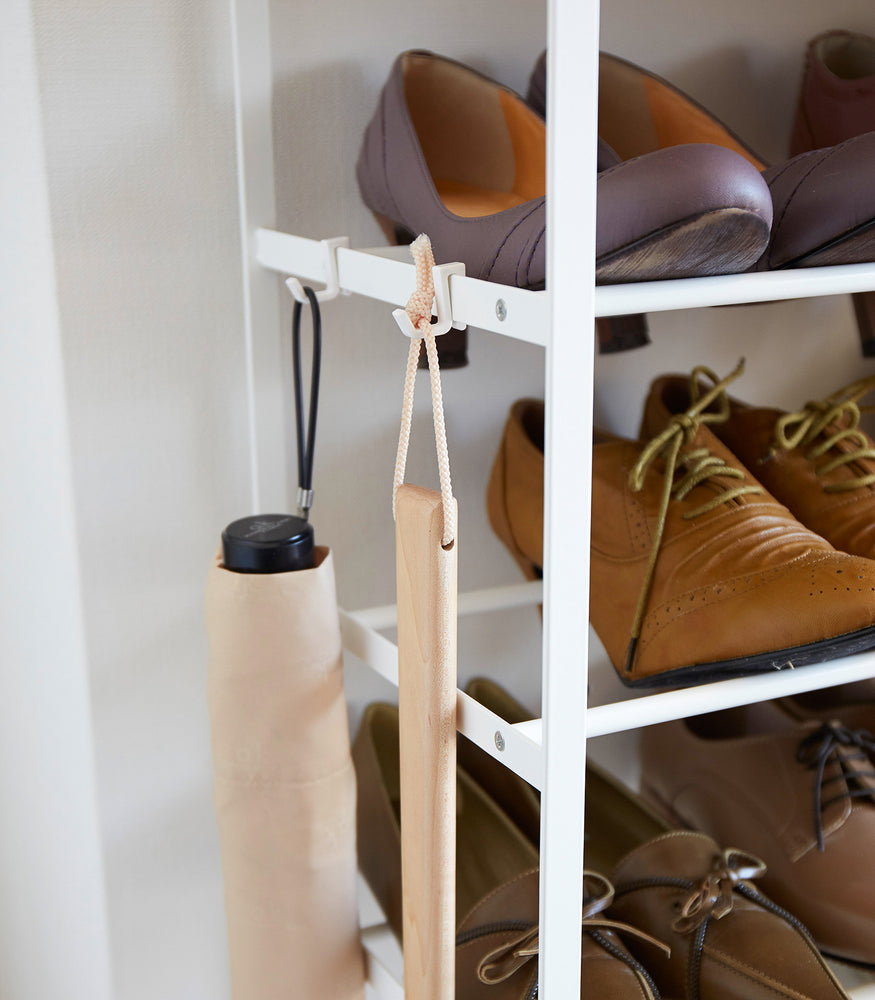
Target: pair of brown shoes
{"type": "Point", "coordinates": [794, 781]}
{"type": "Point", "coordinates": [715, 537]}
{"type": "Point", "coordinates": [679, 916]}
{"type": "Point", "coordinates": [496, 883]}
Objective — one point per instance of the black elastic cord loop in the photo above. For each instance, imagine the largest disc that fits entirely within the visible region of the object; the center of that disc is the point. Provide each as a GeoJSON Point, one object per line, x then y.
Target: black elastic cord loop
{"type": "Point", "coordinates": [305, 454]}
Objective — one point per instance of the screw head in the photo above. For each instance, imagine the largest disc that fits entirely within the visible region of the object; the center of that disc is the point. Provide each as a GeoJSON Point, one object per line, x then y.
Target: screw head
{"type": "Point", "coordinates": [499, 741]}
{"type": "Point", "coordinates": [501, 310]}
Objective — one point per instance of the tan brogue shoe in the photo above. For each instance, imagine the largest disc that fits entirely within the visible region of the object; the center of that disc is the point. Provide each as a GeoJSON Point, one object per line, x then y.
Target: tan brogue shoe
{"type": "Point", "coordinates": [818, 462]}
{"type": "Point", "coordinates": [496, 885]}
{"type": "Point", "coordinates": [696, 571]}
{"type": "Point", "coordinates": [515, 492]}
{"type": "Point", "coordinates": [799, 795]}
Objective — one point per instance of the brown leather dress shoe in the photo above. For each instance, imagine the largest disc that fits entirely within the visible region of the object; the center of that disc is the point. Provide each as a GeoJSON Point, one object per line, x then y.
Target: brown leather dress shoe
{"type": "Point", "coordinates": [727, 939]}
{"type": "Point", "coordinates": [818, 462]}
{"type": "Point", "coordinates": [697, 572]}
{"type": "Point", "coordinates": [496, 884]}
{"type": "Point", "coordinates": [799, 795]}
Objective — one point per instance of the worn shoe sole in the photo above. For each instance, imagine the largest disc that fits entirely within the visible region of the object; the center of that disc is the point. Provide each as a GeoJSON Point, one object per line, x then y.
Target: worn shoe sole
{"type": "Point", "coordinates": [759, 663]}
{"type": "Point", "coordinates": [854, 247]}
{"type": "Point", "coordinates": [725, 241]}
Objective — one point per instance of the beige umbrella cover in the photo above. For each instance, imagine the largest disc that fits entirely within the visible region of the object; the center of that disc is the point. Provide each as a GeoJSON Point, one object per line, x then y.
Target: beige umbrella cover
{"type": "Point", "coordinates": [284, 784]}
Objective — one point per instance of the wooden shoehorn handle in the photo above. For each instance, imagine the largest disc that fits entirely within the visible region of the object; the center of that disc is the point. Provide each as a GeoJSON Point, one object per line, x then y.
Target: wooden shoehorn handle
{"type": "Point", "coordinates": [427, 585]}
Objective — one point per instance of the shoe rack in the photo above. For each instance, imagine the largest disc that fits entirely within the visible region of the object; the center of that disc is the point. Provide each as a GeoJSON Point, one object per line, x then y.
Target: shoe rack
{"type": "Point", "coordinates": [550, 752]}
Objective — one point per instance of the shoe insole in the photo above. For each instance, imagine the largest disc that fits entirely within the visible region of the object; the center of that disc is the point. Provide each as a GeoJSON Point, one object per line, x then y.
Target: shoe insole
{"type": "Point", "coordinates": [486, 150]}
{"type": "Point", "coordinates": [470, 202]}
{"type": "Point", "coordinates": [640, 113]}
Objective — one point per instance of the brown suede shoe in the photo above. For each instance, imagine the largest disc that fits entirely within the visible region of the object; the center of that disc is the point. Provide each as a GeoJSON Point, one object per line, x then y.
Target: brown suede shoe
{"type": "Point", "coordinates": [697, 572]}
{"type": "Point", "coordinates": [800, 795]}
{"type": "Point", "coordinates": [727, 939]}
{"type": "Point", "coordinates": [496, 884]}
{"type": "Point", "coordinates": [816, 462]}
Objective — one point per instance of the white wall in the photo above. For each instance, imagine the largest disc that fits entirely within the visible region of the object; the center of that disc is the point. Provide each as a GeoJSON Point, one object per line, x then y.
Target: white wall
{"type": "Point", "coordinates": [136, 106]}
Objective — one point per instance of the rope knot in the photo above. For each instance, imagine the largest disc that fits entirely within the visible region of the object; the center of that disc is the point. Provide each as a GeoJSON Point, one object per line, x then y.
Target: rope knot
{"type": "Point", "coordinates": [713, 896]}
{"type": "Point", "coordinates": [418, 310]}
{"type": "Point", "coordinates": [687, 423]}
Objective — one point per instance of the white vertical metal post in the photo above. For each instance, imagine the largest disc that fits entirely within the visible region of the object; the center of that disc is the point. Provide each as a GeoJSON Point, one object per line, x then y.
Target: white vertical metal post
{"type": "Point", "coordinates": [572, 32]}
{"type": "Point", "coordinates": [253, 87]}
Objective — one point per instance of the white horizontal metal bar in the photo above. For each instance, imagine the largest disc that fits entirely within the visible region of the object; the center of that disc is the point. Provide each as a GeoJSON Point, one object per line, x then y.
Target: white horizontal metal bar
{"type": "Point", "coordinates": [651, 709]}
{"type": "Point", "coordinates": [382, 982]}
{"type": "Point", "coordinates": [489, 731]}
{"type": "Point", "coordinates": [513, 595]}
{"type": "Point", "coordinates": [732, 289]}
{"type": "Point", "coordinates": [381, 275]}
{"type": "Point", "coordinates": [386, 274]}
{"type": "Point", "coordinates": [518, 750]}
{"type": "Point", "coordinates": [378, 652]}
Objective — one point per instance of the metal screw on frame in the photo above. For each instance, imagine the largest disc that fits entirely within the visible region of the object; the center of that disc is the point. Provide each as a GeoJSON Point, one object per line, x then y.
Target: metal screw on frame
{"type": "Point", "coordinates": [501, 310]}
{"type": "Point", "coordinates": [499, 741]}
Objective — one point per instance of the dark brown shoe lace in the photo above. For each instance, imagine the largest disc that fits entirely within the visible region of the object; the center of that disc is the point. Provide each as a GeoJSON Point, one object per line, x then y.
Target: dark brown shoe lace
{"type": "Point", "coordinates": [699, 465]}
{"type": "Point", "coordinates": [712, 898]}
{"type": "Point", "coordinates": [808, 427]}
{"type": "Point", "coordinates": [503, 962]}
{"type": "Point", "coordinates": [823, 745]}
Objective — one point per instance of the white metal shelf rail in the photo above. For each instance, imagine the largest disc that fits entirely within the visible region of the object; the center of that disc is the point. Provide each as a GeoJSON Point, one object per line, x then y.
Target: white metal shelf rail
{"type": "Point", "coordinates": [386, 274]}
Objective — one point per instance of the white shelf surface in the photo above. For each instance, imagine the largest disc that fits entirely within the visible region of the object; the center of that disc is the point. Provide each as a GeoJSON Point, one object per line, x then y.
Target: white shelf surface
{"type": "Point", "coordinates": [387, 274]}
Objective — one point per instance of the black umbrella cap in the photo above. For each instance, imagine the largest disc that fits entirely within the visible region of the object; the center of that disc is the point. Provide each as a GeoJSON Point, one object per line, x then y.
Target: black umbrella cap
{"type": "Point", "coordinates": [268, 543]}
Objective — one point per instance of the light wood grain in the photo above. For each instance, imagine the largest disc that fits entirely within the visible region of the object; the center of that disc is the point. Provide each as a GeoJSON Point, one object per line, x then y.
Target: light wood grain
{"type": "Point", "coordinates": [427, 586]}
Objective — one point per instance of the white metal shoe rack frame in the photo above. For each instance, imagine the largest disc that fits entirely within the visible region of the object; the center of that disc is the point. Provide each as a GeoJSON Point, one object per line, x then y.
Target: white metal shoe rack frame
{"type": "Point", "coordinates": [550, 753]}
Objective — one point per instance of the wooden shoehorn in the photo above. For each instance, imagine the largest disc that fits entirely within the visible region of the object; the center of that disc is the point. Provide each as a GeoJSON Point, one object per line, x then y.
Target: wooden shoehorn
{"type": "Point", "coordinates": [427, 589]}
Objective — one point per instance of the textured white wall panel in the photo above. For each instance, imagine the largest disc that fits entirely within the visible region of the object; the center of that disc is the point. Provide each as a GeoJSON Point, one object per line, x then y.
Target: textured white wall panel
{"type": "Point", "coordinates": [53, 924]}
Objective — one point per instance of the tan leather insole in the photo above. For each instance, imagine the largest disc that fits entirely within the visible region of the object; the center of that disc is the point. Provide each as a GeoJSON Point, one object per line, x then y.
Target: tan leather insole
{"type": "Point", "coordinates": [639, 113]}
{"type": "Point", "coordinates": [528, 140]}
{"type": "Point", "coordinates": [485, 148]}
{"type": "Point", "coordinates": [470, 202]}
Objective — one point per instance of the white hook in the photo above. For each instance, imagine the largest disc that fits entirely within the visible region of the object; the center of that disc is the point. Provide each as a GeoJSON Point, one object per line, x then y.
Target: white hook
{"type": "Point", "coordinates": [332, 281]}
{"type": "Point", "coordinates": [442, 304]}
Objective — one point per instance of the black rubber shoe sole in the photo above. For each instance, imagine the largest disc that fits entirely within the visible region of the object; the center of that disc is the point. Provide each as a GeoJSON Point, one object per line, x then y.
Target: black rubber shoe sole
{"type": "Point", "coordinates": [760, 663]}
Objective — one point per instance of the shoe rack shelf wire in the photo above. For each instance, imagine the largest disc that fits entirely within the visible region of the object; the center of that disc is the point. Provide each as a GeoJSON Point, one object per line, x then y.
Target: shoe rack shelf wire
{"type": "Point", "coordinates": [550, 753]}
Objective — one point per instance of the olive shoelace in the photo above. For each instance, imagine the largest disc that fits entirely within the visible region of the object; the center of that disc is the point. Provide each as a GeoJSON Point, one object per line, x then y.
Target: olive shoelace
{"type": "Point", "coordinates": [506, 960]}
{"type": "Point", "coordinates": [823, 424]}
{"type": "Point", "coordinates": [699, 465]}
{"type": "Point", "coordinates": [844, 747]}
{"type": "Point", "coordinates": [712, 898]}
